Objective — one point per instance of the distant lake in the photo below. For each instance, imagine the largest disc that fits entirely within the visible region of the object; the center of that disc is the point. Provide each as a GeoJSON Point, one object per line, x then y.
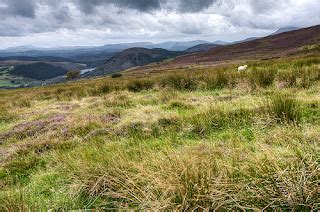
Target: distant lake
{"type": "Point", "coordinates": [87, 70]}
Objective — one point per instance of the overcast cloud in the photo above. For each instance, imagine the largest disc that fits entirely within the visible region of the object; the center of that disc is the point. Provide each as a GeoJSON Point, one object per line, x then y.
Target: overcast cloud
{"type": "Point", "coordinates": [97, 22]}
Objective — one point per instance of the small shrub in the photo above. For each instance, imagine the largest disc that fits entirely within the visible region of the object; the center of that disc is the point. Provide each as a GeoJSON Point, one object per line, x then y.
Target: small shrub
{"type": "Point", "coordinates": [104, 89]}
{"type": "Point", "coordinates": [139, 85]}
{"type": "Point", "coordinates": [97, 91]}
{"type": "Point", "coordinates": [23, 103]}
{"type": "Point", "coordinates": [285, 108]}
{"type": "Point", "coordinates": [217, 80]}
{"type": "Point", "coordinates": [116, 75]}
{"type": "Point", "coordinates": [179, 82]}
{"type": "Point", "coordinates": [179, 105]}
{"type": "Point", "coordinates": [72, 75]}
{"type": "Point", "coordinates": [262, 77]}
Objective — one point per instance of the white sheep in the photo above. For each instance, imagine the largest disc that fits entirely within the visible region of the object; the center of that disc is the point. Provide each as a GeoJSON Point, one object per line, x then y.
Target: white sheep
{"type": "Point", "coordinates": [242, 68]}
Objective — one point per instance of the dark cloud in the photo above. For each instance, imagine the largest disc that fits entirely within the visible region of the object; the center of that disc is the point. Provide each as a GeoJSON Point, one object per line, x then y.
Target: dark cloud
{"type": "Point", "coordinates": [23, 8]}
{"type": "Point", "coordinates": [141, 5]}
{"type": "Point", "coordinates": [62, 15]}
{"type": "Point", "coordinates": [88, 7]}
{"type": "Point", "coordinates": [194, 5]}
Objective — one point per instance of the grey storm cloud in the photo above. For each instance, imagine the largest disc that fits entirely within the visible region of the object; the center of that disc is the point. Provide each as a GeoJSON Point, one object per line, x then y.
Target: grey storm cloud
{"type": "Point", "coordinates": [23, 8]}
{"type": "Point", "coordinates": [140, 5]}
{"type": "Point", "coordinates": [147, 5]}
{"type": "Point", "coordinates": [194, 5]}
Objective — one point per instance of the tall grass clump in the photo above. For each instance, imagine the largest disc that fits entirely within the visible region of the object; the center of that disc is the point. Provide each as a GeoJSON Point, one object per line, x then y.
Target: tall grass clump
{"type": "Point", "coordinates": [140, 85]}
{"type": "Point", "coordinates": [288, 77]}
{"type": "Point", "coordinates": [262, 77]}
{"type": "Point", "coordinates": [285, 108]}
{"type": "Point", "coordinates": [23, 102]}
{"type": "Point", "coordinates": [103, 89]}
{"type": "Point", "coordinates": [308, 76]}
{"type": "Point", "coordinates": [179, 82]}
{"type": "Point", "coordinates": [217, 80]}
{"type": "Point", "coordinates": [6, 115]}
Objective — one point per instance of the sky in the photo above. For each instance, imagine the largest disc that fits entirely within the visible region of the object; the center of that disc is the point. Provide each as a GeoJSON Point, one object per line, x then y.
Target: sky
{"type": "Point", "coordinates": [48, 23]}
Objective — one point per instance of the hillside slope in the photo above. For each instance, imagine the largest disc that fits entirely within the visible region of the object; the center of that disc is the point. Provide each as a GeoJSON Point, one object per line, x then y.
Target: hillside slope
{"type": "Point", "coordinates": [270, 46]}
{"type": "Point", "coordinates": [132, 58]}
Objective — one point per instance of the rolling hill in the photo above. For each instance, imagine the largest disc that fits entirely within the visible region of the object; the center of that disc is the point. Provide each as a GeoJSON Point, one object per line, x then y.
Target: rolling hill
{"type": "Point", "coordinates": [132, 58]}
{"type": "Point", "coordinates": [278, 45]}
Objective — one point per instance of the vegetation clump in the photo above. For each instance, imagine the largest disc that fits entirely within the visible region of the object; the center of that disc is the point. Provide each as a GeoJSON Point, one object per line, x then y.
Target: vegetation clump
{"type": "Point", "coordinates": [73, 75]}
{"type": "Point", "coordinates": [285, 108]}
{"type": "Point", "coordinates": [139, 85]}
{"type": "Point", "coordinates": [179, 82]}
{"type": "Point", "coordinates": [116, 75]}
{"type": "Point", "coordinates": [262, 77]}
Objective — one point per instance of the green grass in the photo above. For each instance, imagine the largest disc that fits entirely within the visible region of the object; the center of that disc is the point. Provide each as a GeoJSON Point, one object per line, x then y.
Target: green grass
{"type": "Point", "coordinates": [185, 140]}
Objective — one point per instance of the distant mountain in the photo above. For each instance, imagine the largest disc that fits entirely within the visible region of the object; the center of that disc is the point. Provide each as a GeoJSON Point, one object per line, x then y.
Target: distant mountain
{"type": "Point", "coordinates": [132, 58]}
{"type": "Point", "coordinates": [20, 48]}
{"type": "Point", "coordinates": [279, 45]}
{"type": "Point", "coordinates": [123, 46]}
{"type": "Point", "coordinates": [202, 47]}
{"type": "Point", "coordinates": [285, 29]}
{"type": "Point", "coordinates": [40, 58]}
{"type": "Point", "coordinates": [178, 46]}
{"type": "Point", "coordinates": [91, 56]}
{"type": "Point", "coordinates": [38, 71]}
{"type": "Point", "coordinates": [65, 51]}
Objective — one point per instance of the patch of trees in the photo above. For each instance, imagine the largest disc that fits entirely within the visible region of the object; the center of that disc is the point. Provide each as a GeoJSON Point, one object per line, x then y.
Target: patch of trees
{"type": "Point", "coordinates": [38, 71]}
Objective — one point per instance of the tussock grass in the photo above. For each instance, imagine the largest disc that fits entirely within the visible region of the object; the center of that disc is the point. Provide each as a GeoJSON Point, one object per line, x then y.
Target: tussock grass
{"type": "Point", "coordinates": [6, 115]}
{"type": "Point", "coordinates": [262, 77]}
{"type": "Point", "coordinates": [179, 82]}
{"type": "Point", "coordinates": [285, 108]}
{"type": "Point", "coordinates": [22, 103]}
{"type": "Point", "coordinates": [139, 85]}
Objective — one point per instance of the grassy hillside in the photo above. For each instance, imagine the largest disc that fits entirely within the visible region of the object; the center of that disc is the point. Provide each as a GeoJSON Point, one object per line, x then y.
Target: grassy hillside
{"type": "Point", "coordinates": [181, 139]}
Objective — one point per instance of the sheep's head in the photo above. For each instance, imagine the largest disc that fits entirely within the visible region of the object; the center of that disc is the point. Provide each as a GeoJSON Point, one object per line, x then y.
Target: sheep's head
{"type": "Point", "coordinates": [246, 66]}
